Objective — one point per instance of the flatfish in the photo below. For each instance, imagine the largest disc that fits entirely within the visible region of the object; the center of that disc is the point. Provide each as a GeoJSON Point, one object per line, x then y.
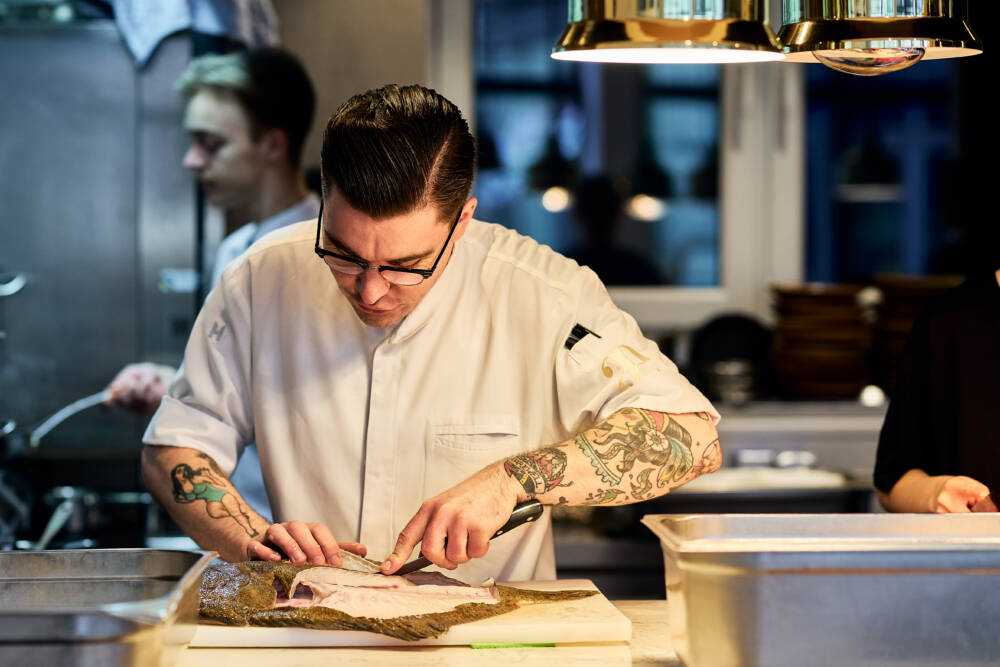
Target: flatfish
{"type": "Point", "coordinates": [355, 596]}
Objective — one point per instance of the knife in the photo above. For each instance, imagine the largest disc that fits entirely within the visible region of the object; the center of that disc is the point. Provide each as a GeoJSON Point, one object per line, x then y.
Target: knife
{"type": "Point", "coordinates": [523, 513]}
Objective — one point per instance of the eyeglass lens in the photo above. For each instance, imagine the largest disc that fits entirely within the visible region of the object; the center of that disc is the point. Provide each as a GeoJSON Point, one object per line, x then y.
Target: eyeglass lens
{"type": "Point", "coordinates": [394, 277]}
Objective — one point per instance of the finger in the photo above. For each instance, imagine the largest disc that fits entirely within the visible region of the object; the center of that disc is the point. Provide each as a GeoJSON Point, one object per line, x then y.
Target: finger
{"type": "Point", "coordinates": [479, 542]}
{"type": "Point", "coordinates": [950, 503]}
{"type": "Point", "coordinates": [433, 545]}
{"type": "Point", "coordinates": [113, 393]}
{"type": "Point", "coordinates": [147, 400]}
{"type": "Point", "coordinates": [127, 399]}
{"type": "Point", "coordinates": [407, 540]}
{"type": "Point", "coordinates": [354, 547]}
{"type": "Point", "coordinates": [278, 535]}
{"type": "Point", "coordinates": [986, 504]}
{"type": "Point", "coordinates": [121, 391]}
{"type": "Point", "coordinates": [455, 545]}
{"type": "Point", "coordinates": [302, 533]}
{"type": "Point", "coordinates": [254, 550]}
{"type": "Point", "coordinates": [328, 545]}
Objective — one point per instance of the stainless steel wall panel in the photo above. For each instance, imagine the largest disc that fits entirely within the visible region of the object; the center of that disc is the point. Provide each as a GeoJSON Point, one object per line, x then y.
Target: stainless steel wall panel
{"type": "Point", "coordinates": [166, 206]}
{"type": "Point", "coordinates": [95, 204]}
{"type": "Point", "coordinates": [67, 155]}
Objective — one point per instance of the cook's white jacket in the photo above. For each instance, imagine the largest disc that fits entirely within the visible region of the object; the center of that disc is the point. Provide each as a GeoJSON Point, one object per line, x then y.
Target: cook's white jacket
{"type": "Point", "coordinates": [356, 426]}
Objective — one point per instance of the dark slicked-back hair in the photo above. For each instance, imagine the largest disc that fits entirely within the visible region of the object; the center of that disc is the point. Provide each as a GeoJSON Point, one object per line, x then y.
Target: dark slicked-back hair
{"type": "Point", "coordinates": [271, 85]}
{"type": "Point", "coordinates": [399, 148]}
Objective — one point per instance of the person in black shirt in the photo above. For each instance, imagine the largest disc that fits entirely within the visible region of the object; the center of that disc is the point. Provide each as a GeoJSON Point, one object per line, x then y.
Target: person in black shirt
{"type": "Point", "coordinates": [939, 449]}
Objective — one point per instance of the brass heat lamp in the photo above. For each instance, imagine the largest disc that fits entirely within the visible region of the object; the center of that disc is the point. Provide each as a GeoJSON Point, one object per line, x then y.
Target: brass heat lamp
{"type": "Point", "coordinates": [667, 31]}
{"type": "Point", "coordinates": [871, 37]}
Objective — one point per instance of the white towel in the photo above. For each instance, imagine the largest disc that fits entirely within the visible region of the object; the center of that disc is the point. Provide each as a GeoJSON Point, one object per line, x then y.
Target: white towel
{"type": "Point", "coordinates": [145, 23]}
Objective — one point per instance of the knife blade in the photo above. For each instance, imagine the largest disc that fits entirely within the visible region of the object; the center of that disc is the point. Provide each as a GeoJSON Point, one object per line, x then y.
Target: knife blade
{"type": "Point", "coordinates": [524, 512]}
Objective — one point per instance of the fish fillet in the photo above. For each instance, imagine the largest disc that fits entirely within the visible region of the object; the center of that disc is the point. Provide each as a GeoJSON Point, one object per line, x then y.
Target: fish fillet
{"type": "Point", "coordinates": [377, 595]}
{"type": "Point", "coordinates": [353, 597]}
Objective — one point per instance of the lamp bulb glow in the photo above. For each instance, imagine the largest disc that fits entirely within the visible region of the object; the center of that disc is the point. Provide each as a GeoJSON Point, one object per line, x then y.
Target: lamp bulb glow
{"type": "Point", "coordinates": [670, 55]}
{"type": "Point", "coordinates": [646, 208]}
{"type": "Point", "coordinates": [556, 199]}
{"type": "Point", "coordinates": [870, 62]}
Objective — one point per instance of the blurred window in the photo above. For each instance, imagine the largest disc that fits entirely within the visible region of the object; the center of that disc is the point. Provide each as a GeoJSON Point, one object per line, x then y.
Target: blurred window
{"type": "Point", "coordinates": [882, 170]}
{"type": "Point", "coordinates": [547, 127]}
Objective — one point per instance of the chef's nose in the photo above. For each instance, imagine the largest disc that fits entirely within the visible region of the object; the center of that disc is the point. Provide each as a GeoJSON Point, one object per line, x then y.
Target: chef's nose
{"type": "Point", "coordinates": [195, 157]}
{"type": "Point", "coordinates": [373, 285]}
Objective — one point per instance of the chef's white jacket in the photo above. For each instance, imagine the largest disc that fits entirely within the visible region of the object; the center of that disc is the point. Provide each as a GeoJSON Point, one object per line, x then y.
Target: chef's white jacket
{"type": "Point", "coordinates": [356, 426]}
{"type": "Point", "coordinates": [247, 476]}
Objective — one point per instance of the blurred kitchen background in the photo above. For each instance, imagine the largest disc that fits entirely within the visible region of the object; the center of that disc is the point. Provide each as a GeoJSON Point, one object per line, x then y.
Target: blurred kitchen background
{"type": "Point", "coordinates": [776, 227]}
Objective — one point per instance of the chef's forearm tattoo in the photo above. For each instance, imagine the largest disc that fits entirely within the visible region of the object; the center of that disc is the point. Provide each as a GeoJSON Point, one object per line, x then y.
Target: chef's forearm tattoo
{"type": "Point", "coordinates": [711, 459]}
{"type": "Point", "coordinates": [213, 465]}
{"type": "Point", "coordinates": [538, 471]}
{"type": "Point", "coordinates": [635, 454]}
{"type": "Point", "coordinates": [645, 449]}
{"type": "Point", "coordinates": [211, 485]}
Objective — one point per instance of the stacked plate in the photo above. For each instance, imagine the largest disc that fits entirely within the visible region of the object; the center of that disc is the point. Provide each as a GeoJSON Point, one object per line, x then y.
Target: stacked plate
{"type": "Point", "coordinates": [821, 339]}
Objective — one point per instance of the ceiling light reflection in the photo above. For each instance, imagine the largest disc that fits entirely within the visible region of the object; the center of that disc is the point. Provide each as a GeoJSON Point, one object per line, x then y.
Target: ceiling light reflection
{"type": "Point", "coordinates": [556, 199]}
{"type": "Point", "coordinates": [646, 208]}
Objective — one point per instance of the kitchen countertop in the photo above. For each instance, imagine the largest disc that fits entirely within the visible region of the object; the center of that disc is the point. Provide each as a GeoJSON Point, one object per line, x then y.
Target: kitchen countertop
{"type": "Point", "coordinates": [650, 645]}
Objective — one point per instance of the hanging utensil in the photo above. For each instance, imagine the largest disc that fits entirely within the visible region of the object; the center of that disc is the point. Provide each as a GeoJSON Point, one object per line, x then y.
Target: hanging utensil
{"type": "Point", "coordinates": [65, 413]}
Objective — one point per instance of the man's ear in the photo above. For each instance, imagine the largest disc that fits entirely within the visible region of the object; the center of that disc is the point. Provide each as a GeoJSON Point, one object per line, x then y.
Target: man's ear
{"type": "Point", "coordinates": [463, 222]}
{"type": "Point", "coordinates": [275, 143]}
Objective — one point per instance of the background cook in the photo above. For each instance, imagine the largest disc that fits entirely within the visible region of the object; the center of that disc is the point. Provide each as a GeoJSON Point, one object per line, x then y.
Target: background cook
{"type": "Point", "coordinates": [248, 114]}
{"type": "Point", "coordinates": [426, 356]}
{"type": "Point", "coordinates": [939, 450]}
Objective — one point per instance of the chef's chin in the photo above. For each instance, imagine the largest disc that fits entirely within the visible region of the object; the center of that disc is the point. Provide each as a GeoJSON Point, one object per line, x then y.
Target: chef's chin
{"type": "Point", "coordinates": [377, 320]}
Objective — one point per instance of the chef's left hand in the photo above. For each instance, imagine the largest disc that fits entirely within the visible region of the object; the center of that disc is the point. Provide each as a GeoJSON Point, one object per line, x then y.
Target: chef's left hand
{"type": "Point", "coordinates": [300, 542]}
{"type": "Point", "coordinates": [466, 515]}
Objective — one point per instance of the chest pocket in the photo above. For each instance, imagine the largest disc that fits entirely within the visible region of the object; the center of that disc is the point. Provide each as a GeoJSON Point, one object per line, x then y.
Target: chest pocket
{"type": "Point", "coordinates": [459, 447]}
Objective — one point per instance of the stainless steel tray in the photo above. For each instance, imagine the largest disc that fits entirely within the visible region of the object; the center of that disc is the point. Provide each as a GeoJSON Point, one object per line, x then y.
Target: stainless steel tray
{"type": "Point", "coordinates": [98, 606]}
{"type": "Point", "coordinates": [832, 589]}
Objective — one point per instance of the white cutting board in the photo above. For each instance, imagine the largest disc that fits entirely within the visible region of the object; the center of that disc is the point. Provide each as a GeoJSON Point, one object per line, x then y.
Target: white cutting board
{"type": "Point", "coordinates": [592, 619]}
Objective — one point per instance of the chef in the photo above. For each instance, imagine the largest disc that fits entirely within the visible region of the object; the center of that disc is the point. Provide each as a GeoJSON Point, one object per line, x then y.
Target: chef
{"type": "Point", "coordinates": [248, 114]}
{"type": "Point", "coordinates": [409, 373]}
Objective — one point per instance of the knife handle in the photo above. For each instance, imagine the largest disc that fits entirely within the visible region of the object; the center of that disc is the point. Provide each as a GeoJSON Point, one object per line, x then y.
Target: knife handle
{"type": "Point", "coordinates": [524, 512]}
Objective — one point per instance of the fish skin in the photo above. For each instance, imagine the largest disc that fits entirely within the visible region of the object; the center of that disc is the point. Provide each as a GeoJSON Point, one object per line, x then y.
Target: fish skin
{"type": "Point", "coordinates": [356, 563]}
{"type": "Point", "coordinates": [244, 594]}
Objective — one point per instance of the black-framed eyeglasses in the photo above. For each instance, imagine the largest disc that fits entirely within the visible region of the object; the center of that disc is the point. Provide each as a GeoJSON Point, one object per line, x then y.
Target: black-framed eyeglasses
{"type": "Point", "coordinates": [353, 266]}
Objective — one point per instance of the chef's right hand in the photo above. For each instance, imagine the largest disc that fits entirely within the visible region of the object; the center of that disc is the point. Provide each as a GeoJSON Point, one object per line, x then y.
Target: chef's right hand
{"type": "Point", "coordinates": [957, 494]}
{"type": "Point", "coordinates": [300, 542]}
{"type": "Point", "coordinates": [140, 387]}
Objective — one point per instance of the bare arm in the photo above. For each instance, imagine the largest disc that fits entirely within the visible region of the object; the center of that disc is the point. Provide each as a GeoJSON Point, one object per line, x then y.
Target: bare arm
{"type": "Point", "coordinates": [222, 524]}
{"type": "Point", "coordinates": [204, 503]}
{"type": "Point", "coordinates": [918, 492]}
{"type": "Point", "coordinates": [632, 455]}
